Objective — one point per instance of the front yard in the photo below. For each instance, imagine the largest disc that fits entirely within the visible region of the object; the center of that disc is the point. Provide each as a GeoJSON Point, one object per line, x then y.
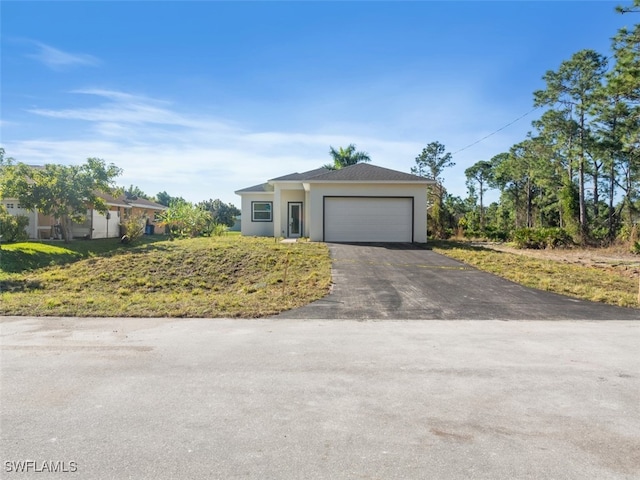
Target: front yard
{"type": "Point", "coordinates": [235, 276]}
{"type": "Point", "coordinates": [229, 276]}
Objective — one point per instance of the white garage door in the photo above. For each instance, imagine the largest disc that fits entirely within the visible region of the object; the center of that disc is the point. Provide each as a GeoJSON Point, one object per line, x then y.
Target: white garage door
{"type": "Point", "coordinates": [368, 219]}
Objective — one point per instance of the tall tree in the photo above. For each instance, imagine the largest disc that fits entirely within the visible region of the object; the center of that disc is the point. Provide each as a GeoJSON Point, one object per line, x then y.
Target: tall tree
{"type": "Point", "coordinates": [62, 191]}
{"type": "Point", "coordinates": [624, 87]}
{"type": "Point", "coordinates": [482, 173]}
{"type": "Point", "coordinates": [511, 178]}
{"type": "Point", "coordinates": [344, 157]}
{"type": "Point", "coordinates": [431, 163]}
{"type": "Point", "coordinates": [573, 88]}
{"type": "Point", "coordinates": [558, 134]}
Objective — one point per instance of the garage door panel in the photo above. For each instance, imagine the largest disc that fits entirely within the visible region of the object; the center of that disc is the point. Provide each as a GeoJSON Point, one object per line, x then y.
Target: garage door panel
{"type": "Point", "coordinates": [368, 219]}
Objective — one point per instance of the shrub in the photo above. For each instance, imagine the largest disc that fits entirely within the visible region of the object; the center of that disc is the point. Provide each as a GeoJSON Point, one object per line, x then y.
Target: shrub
{"type": "Point", "coordinates": [537, 238]}
{"type": "Point", "coordinates": [626, 232]}
{"type": "Point", "coordinates": [185, 220]}
{"type": "Point", "coordinates": [218, 229]}
{"type": "Point", "coordinates": [495, 235]}
{"type": "Point", "coordinates": [12, 228]}
{"type": "Point", "coordinates": [133, 228]}
{"type": "Point", "coordinates": [213, 229]}
{"type": "Point", "coordinates": [489, 233]}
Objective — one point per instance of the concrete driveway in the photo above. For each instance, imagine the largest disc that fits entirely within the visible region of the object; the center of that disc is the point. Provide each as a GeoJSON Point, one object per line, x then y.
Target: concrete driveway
{"type": "Point", "coordinates": [288, 399]}
{"type": "Point", "coordinates": [402, 281]}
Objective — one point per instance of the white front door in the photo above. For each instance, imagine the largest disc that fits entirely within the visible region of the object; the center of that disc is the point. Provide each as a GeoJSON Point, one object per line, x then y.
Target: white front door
{"type": "Point", "coordinates": [295, 220]}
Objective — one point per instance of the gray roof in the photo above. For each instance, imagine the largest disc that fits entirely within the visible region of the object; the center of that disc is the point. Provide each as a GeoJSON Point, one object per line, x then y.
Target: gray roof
{"type": "Point", "coordinates": [301, 176]}
{"type": "Point", "coordinates": [364, 172]}
{"type": "Point", "coordinates": [360, 172]}
{"type": "Point", "coordinates": [111, 200]}
{"type": "Point", "coordinates": [262, 188]}
{"type": "Point", "coordinates": [143, 203]}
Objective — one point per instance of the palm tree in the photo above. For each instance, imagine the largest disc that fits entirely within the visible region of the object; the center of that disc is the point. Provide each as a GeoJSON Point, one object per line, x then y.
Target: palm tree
{"type": "Point", "coordinates": [343, 157]}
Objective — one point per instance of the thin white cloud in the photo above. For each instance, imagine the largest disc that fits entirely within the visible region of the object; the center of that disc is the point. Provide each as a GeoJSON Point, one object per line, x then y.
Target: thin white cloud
{"type": "Point", "coordinates": [200, 157]}
{"type": "Point", "coordinates": [126, 108]}
{"type": "Point", "coordinates": [57, 59]}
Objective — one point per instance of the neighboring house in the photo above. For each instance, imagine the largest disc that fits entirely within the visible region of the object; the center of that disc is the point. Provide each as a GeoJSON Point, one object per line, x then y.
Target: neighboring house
{"type": "Point", "coordinates": [359, 203]}
{"type": "Point", "coordinates": [100, 225]}
{"type": "Point", "coordinates": [40, 226]}
{"type": "Point", "coordinates": [96, 225]}
{"type": "Point", "coordinates": [147, 209]}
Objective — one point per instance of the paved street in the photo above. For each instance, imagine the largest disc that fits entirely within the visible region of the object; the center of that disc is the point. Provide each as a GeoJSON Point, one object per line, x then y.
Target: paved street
{"type": "Point", "coordinates": [290, 399]}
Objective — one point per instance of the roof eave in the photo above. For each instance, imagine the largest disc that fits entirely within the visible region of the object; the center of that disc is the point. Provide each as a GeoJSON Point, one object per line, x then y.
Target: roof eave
{"type": "Point", "coordinates": [241, 192]}
{"type": "Point", "coordinates": [405, 182]}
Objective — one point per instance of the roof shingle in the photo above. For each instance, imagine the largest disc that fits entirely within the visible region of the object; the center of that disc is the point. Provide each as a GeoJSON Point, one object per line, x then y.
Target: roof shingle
{"type": "Point", "coordinates": [364, 172]}
{"type": "Point", "coordinates": [262, 188]}
{"type": "Point", "coordinates": [301, 176]}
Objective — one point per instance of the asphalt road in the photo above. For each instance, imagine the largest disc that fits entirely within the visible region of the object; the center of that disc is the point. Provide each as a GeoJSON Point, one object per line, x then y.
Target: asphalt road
{"type": "Point", "coordinates": [401, 281]}
{"type": "Point", "coordinates": [289, 399]}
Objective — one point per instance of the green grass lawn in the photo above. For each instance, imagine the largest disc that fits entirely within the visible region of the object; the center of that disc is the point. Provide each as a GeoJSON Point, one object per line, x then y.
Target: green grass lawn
{"type": "Point", "coordinates": [228, 276]}
{"type": "Point", "coordinates": [232, 276]}
{"type": "Point", "coordinates": [588, 283]}
{"type": "Point", "coordinates": [22, 257]}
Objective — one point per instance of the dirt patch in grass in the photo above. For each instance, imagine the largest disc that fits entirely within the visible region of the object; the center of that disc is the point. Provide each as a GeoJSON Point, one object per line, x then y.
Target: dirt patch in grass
{"type": "Point", "coordinates": [204, 277]}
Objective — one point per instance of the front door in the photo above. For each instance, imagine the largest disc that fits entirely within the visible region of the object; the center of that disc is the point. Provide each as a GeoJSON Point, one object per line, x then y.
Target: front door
{"type": "Point", "coordinates": [295, 220]}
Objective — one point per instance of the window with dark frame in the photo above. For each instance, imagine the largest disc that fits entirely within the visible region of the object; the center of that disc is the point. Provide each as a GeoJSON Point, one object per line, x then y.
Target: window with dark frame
{"type": "Point", "coordinates": [261, 211]}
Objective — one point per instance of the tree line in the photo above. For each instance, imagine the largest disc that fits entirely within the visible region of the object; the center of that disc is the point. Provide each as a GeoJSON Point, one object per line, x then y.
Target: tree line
{"type": "Point", "coordinates": [578, 171]}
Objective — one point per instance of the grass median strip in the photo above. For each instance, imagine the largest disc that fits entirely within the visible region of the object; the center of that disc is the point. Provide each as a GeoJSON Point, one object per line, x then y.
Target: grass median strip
{"type": "Point", "coordinates": [587, 283]}
{"type": "Point", "coordinates": [227, 276]}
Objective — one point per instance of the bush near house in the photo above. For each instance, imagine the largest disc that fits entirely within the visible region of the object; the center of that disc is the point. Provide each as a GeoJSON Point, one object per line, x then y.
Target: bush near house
{"type": "Point", "coordinates": [12, 228]}
{"type": "Point", "coordinates": [133, 228]}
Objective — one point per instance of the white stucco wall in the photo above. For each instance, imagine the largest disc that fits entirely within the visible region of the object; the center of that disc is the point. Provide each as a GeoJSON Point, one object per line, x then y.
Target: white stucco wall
{"type": "Point", "coordinates": [319, 190]}
{"type": "Point", "coordinates": [287, 196]}
{"type": "Point", "coordinates": [249, 227]}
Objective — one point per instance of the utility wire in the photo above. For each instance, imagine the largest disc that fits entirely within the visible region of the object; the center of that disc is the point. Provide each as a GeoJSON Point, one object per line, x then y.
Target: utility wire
{"type": "Point", "coordinates": [499, 130]}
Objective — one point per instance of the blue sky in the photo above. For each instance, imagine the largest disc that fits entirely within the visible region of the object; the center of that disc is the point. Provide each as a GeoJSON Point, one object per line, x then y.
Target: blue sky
{"type": "Point", "coordinates": [203, 98]}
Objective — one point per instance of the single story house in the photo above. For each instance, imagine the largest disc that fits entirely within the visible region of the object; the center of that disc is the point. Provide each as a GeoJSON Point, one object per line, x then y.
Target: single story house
{"type": "Point", "coordinates": [100, 225]}
{"type": "Point", "coordinates": [359, 203]}
{"type": "Point", "coordinates": [96, 224]}
{"type": "Point", "coordinates": [147, 209]}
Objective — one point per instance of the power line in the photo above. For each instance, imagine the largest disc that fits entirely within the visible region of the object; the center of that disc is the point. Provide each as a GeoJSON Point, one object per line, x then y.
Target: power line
{"type": "Point", "coordinates": [499, 130]}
